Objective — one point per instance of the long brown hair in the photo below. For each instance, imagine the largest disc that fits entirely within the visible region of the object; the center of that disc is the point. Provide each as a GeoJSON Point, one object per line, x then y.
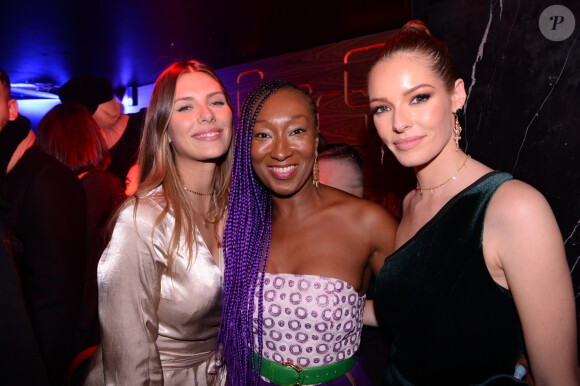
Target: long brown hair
{"type": "Point", "coordinates": [157, 163]}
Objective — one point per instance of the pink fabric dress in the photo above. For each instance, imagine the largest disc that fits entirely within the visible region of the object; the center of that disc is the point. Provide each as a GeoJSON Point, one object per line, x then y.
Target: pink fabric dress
{"type": "Point", "coordinates": [309, 320]}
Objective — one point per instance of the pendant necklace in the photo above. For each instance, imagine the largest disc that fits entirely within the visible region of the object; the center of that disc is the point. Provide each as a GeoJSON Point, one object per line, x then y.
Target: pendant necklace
{"type": "Point", "coordinates": [205, 221]}
{"type": "Point", "coordinates": [453, 177]}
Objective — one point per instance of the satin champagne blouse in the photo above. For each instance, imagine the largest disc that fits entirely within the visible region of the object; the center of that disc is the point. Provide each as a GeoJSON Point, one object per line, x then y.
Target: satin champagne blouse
{"type": "Point", "coordinates": [156, 328]}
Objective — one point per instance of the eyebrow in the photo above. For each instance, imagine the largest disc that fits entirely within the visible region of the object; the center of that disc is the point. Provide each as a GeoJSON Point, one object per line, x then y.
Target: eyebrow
{"type": "Point", "coordinates": [409, 91]}
{"type": "Point", "coordinates": [292, 118]}
{"type": "Point", "coordinates": [191, 98]}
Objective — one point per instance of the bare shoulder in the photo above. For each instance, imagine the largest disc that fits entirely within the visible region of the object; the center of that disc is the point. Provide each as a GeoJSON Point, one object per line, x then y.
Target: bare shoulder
{"type": "Point", "coordinates": [520, 228]}
{"type": "Point", "coordinates": [377, 212]}
{"type": "Point", "coordinates": [365, 213]}
{"type": "Point", "coordinates": [515, 202]}
{"type": "Point", "coordinates": [364, 227]}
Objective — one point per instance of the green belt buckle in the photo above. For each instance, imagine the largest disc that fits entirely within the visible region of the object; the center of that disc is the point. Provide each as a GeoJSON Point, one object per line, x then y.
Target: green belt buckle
{"type": "Point", "coordinates": [298, 371]}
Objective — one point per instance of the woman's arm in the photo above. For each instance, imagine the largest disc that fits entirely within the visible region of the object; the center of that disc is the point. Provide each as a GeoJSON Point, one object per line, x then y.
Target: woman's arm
{"type": "Point", "coordinates": [369, 314]}
{"type": "Point", "coordinates": [521, 235]}
{"type": "Point", "coordinates": [129, 278]}
{"type": "Point", "coordinates": [382, 229]}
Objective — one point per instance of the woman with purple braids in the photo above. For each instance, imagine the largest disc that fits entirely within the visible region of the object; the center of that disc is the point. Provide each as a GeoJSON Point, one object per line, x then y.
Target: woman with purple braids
{"type": "Point", "coordinates": [298, 253]}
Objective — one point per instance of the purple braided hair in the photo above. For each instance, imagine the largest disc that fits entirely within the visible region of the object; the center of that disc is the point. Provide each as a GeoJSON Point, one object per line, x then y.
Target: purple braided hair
{"type": "Point", "coordinates": [247, 238]}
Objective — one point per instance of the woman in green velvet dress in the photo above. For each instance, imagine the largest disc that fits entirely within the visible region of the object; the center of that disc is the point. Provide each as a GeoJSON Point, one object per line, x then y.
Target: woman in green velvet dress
{"type": "Point", "coordinates": [479, 276]}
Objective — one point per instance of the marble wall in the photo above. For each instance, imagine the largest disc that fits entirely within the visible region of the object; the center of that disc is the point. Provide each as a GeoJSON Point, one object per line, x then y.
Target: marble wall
{"type": "Point", "coordinates": [520, 61]}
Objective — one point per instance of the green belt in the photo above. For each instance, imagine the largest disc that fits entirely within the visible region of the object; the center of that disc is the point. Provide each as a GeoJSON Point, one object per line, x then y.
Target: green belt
{"type": "Point", "coordinates": [288, 373]}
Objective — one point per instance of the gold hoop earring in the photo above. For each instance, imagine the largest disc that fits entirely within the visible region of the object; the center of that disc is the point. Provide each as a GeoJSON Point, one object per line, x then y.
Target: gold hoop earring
{"type": "Point", "coordinates": [315, 170]}
{"type": "Point", "coordinates": [457, 129]}
{"type": "Point", "coordinates": [382, 151]}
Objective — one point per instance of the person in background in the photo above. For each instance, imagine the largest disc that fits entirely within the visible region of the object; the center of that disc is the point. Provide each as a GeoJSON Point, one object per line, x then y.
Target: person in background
{"type": "Point", "coordinates": [161, 276]}
{"type": "Point", "coordinates": [132, 180]}
{"type": "Point", "coordinates": [298, 253]}
{"type": "Point", "coordinates": [341, 166]}
{"type": "Point", "coordinates": [46, 218]}
{"type": "Point", "coordinates": [122, 132]}
{"type": "Point", "coordinates": [21, 361]}
{"type": "Point", "coordinates": [480, 276]}
{"type": "Point", "coordinates": [69, 133]}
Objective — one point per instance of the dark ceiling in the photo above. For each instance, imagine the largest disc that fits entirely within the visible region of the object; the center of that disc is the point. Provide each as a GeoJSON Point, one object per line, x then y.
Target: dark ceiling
{"type": "Point", "coordinates": [130, 42]}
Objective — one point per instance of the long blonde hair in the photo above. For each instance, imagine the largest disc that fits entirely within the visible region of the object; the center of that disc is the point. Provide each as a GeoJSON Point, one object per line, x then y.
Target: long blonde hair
{"type": "Point", "coordinates": [157, 163]}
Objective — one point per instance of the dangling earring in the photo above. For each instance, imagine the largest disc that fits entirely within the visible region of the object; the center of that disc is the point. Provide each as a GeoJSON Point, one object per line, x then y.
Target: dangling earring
{"type": "Point", "coordinates": [457, 129]}
{"type": "Point", "coordinates": [382, 151]}
{"type": "Point", "coordinates": [315, 170]}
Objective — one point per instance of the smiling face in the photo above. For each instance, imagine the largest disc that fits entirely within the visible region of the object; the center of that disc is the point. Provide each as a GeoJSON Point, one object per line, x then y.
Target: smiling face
{"type": "Point", "coordinates": [284, 141]}
{"type": "Point", "coordinates": [412, 108]}
{"type": "Point", "coordinates": [200, 128]}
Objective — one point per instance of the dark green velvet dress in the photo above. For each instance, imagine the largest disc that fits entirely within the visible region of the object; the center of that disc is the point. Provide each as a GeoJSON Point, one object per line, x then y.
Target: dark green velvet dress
{"type": "Point", "coordinates": [451, 323]}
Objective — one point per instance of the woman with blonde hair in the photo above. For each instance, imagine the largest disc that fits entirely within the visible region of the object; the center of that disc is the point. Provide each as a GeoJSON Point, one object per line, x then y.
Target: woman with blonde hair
{"type": "Point", "coordinates": [161, 276]}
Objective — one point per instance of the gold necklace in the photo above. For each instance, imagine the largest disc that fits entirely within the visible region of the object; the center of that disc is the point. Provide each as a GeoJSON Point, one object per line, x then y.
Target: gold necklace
{"type": "Point", "coordinates": [453, 177]}
{"type": "Point", "coordinates": [198, 193]}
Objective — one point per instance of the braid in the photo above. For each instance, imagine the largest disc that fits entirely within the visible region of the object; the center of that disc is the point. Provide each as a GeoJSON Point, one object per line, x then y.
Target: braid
{"type": "Point", "coordinates": [247, 238]}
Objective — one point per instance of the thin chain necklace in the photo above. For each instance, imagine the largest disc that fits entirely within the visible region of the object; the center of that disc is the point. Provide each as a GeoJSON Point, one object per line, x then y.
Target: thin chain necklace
{"type": "Point", "coordinates": [453, 177]}
{"type": "Point", "coordinates": [205, 220]}
{"type": "Point", "coordinates": [198, 193]}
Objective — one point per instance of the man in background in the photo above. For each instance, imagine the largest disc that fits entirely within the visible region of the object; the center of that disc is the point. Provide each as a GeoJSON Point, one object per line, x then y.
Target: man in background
{"type": "Point", "coordinates": [20, 360]}
{"type": "Point", "coordinates": [45, 218]}
{"type": "Point", "coordinates": [122, 132]}
{"type": "Point", "coordinates": [342, 167]}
